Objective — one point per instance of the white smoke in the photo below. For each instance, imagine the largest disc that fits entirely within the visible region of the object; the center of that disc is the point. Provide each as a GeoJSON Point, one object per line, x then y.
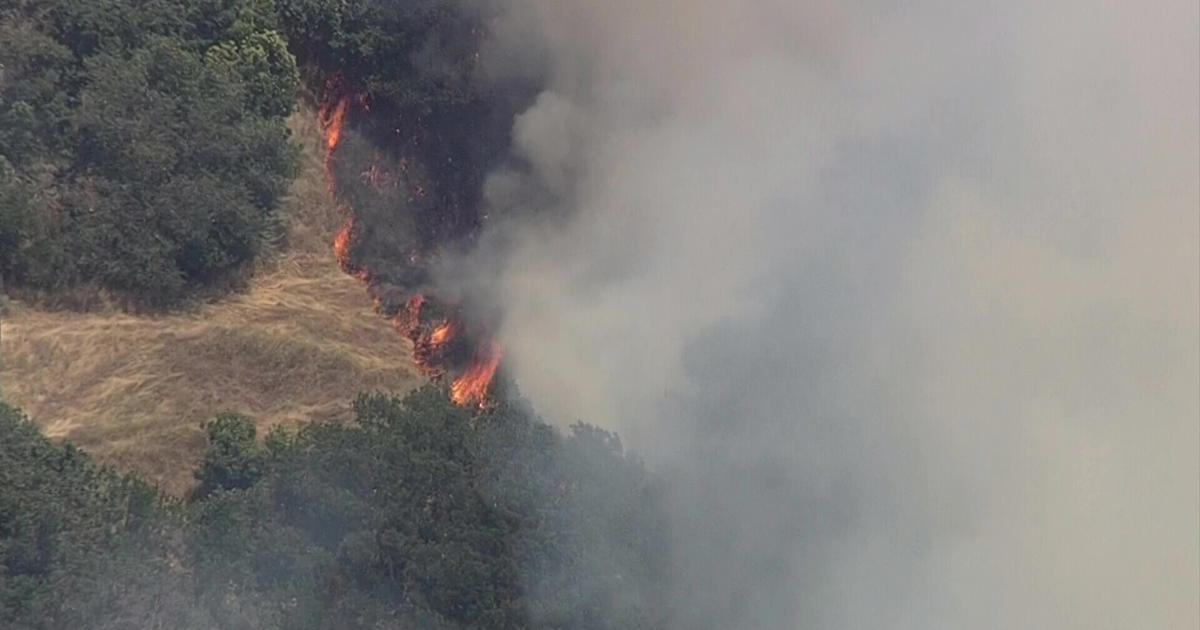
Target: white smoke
{"type": "Point", "coordinates": [902, 296]}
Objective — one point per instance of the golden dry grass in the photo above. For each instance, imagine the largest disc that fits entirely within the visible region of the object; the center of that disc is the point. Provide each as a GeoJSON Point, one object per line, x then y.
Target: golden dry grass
{"type": "Point", "coordinates": [297, 345]}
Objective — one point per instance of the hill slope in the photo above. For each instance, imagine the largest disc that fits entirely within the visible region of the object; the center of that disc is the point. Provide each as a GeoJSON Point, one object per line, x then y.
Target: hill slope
{"type": "Point", "coordinates": [298, 344]}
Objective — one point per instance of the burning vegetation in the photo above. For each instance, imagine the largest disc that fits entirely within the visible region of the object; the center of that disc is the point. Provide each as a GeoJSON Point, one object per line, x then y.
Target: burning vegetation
{"type": "Point", "coordinates": [411, 132]}
{"type": "Point", "coordinates": [442, 345]}
{"type": "Point", "coordinates": [472, 386]}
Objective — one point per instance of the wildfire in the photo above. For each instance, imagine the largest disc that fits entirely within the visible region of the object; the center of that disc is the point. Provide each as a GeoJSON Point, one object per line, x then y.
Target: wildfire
{"type": "Point", "coordinates": [408, 323]}
{"type": "Point", "coordinates": [332, 119]}
{"type": "Point", "coordinates": [341, 246]}
{"type": "Point", "coordinates": [409, 319]}
{"type": "Point", "coordinates": [343, 241]}
{"type": "Point", "coordinates": [444, 332]}
{"type": "Point", "coordinates": [431, 344]}
{"type": "Point", "coordinates": [472, 387]}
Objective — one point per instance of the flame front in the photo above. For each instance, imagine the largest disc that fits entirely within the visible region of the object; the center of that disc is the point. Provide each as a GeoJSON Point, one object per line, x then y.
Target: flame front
{"type": "Point", "coordinates": [341, 246]}
{"type": "Point", "coordinates": [431, 346]}
{"type": "Point", "coordinates": [408, 323]}
{"type": "Point", "coordinates": [472, 387]}
{"type": "Point", "coordinates": [332, 119]}
{"type": "Point", "coordinates": [444, 332]}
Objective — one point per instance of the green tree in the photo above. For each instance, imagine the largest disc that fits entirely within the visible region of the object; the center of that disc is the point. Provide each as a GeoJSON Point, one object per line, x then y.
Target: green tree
{"type": "Point", "coordinates": [151, 136]}
{"type": "Point", "coordinates": [15, 211]}
{"type": "Point", "coordinates": [63, 522]}
{"type": "Point", "coordinates": [234, 458]}
{"type": "Point", "coordinates": [263, 64]}
{"type": "Point", "coordinates": [419, 514]}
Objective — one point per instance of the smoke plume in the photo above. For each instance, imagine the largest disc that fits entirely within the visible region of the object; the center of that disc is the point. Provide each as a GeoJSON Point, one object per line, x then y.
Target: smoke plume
{"type": "Point", "coordinates": [900, 297]}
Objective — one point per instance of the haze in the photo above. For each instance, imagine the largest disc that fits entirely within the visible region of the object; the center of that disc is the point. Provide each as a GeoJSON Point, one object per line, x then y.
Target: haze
{"type": "Point", "coordinates": [902, 297]}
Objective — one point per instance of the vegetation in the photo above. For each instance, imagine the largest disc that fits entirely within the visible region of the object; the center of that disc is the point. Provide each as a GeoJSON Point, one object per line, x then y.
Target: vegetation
{"type": "Point", "coordinates": [421, 514]}
{"type": "Point", "coordinates": [297, 343]}
{"type": "Point", "coordinates": [421, 121]}
{"type": "Point", "coordinates": [142, 145]}
{"type": "Point", "coordinates": [73, 536]}
{"type": "Point", "coordinates": [145, 151]}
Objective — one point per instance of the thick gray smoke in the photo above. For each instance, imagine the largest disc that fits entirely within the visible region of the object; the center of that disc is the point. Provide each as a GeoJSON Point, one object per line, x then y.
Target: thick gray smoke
{"type": "Point", "coordinates": [902, 297]}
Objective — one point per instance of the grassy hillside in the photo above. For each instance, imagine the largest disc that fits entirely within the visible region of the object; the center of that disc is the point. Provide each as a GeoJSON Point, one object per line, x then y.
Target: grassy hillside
{"type": "Point", "coordinates": [297, 344]}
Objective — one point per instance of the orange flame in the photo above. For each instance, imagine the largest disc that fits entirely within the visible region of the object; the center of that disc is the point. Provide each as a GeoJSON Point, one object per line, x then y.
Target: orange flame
{"type": "Point", "coordinates": [341, 246]}
{"type": "Point", "coordinates": [473, 385]}
{"type": "Point", "coordinates": [408, 323]}
{"type": "Point", "coordinates": [332, 119]}
{"type": "Point", "coordinates": [444, 332]}
{"type": "Point", "coordinates": [342, 242]}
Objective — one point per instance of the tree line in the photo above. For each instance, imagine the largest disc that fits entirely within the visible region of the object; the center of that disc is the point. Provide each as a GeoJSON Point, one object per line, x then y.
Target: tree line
{"type": "Point", "coordinates": [419, 514]}
{"type": "Point", "coordinates": [143, 145]}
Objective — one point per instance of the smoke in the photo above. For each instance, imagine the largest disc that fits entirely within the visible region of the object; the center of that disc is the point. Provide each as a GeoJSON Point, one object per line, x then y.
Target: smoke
{"type": "Point", "coordinates": [902, 298]}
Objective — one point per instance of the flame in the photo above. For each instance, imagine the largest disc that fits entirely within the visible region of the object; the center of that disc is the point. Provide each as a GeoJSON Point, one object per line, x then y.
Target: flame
{"type": "Point", "coordinates": [341, 246]}
{"type": "Point", "coordinates": [332, 119]}
{"type": "Point", "coordinates": [473, 385]}
{"type": "Point", "coordinates": [343, 241]}
{"type": "Point", "coordinates": [444, 332]}
{"type": "Point", "coordinates": [408, 323]}
{"type": "Point", "coordinates": [429, 343]}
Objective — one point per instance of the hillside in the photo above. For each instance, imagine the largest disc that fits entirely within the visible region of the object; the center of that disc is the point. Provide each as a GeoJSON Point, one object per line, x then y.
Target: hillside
{"type": "Point", "coordinates": [297, 344]}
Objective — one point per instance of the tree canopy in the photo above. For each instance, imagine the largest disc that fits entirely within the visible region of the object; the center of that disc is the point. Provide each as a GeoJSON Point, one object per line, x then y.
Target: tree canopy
{"type": "Point", "coordinates": [420, 514]}
{"type": "Point", "coordinates": [142, 145]}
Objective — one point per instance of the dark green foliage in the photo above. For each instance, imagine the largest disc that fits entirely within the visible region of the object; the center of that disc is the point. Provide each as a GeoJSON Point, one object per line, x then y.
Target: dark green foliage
{"type": "Point", "coordinates": [65, 525]}
{"type": "Point", "coordinates": [592, 551]}
{"type": "Point", "coordinates": [16, 208]}
{"type": "Point", "coordinates": [234, 459]}
{"type": "Point", "coordinates": [419, 53]}
{"type": "Point", "coordinates": [265, 67]}
{"type": "Point", "coordinates": [422, 514]}
{"type": "Point", "coordinates": [422, 511]}
{"type": "Point", "coordinates": [151, 137]}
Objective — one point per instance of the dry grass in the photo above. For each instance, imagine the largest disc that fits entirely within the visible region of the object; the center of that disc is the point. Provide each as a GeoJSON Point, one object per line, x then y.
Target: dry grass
{"type": "Point", "coordinates": [297, 345]}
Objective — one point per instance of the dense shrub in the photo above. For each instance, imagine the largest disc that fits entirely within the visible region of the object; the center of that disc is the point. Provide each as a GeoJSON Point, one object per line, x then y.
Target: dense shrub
{"type": "Point", "coordinates": [146, 142]}
{"type": "Point", "coordinates": [422, 514]}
